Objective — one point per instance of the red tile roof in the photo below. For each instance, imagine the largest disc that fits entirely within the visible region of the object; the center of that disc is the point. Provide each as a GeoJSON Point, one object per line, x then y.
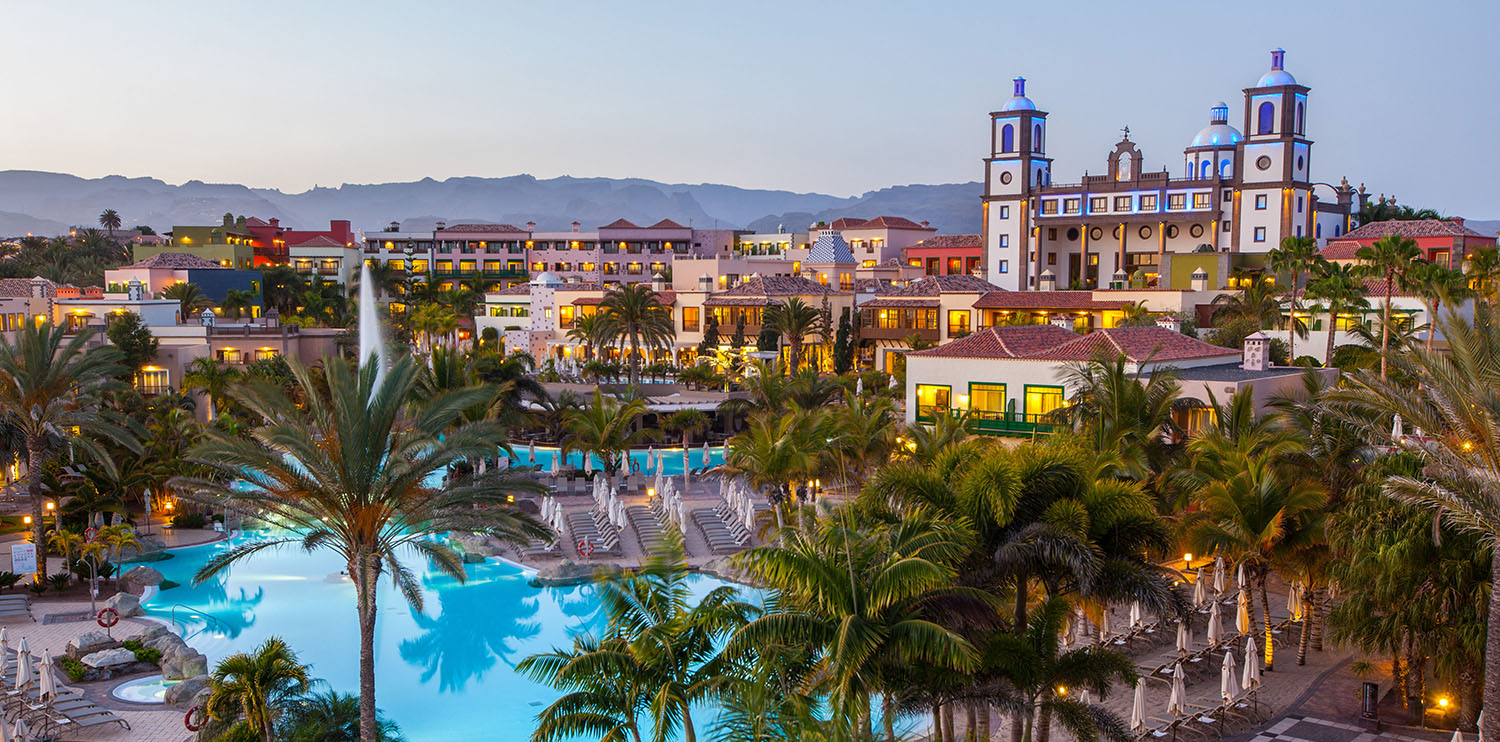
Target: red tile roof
{"type": "Point", "coordinates": [621, 224]}
{"type": "Point", "coordinates": [738, 301]}
{"type": "Point", "coordinates": [902, 302]}
{"type": "Point", "coordinates": [1339, 250]}
{"type": "Point", "coordinates": [177, 261]}
{"type": "Point", "coordinates": [665, 298]}
{"type": "Point", "coordinates": [952, 240]}
{"type": "Point", "coordinates": [879, 222]}
{"type": "Point", "coordinates": [1137, 344]}
{"type": "Point", "coordinates": [957, 283]}
{"type": "Point", "coordinates": [1375, 288]}
{"type": "Point", "coordinates": [321, 240]}
{"type": "Point", "coordinates": [1021, 341]}
{"type": "Point", "coordinates": [481, 228]}
{"type": "Point", "coordinates": [778, 286]}
{"type": "Point", "coordinates": [255, 221]}
{"type": "Point", "coordinates": [1413, 228]}
{"type": "Point", "coordinates": [1046, 300]}
{"type": "Point", "coordinates": [21, 287]}
{"type": "Point", "coordinates": [666, 224]}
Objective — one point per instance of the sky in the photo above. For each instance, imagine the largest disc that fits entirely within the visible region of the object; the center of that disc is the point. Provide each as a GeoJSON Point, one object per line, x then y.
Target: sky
{"type": "Point", "coordinates": [825, 96]}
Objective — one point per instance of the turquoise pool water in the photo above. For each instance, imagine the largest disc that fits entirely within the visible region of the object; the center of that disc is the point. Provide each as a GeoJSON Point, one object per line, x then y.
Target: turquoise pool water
{"type": "Point", "coordinates": [672, 458]}
{"type": "Point", "coordinates": [445, 673]}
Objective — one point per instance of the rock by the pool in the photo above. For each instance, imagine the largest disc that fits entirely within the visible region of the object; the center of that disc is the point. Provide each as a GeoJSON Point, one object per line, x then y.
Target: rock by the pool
{"type": "Point", "coordinates": [109, 658]}
{"type": "Point", "coordinates": [167, 643]}
{"type": "Point", "coordinates": [143, 576]}
{"type": "Point", "coordinates": [182, 695]}
{"type": "Point", "coordinates": [88, 643]}
{"type": "Point", "coordinates": [184, 663]}
{"type": "Point", "coordinates": [147, 633]}
{"type": "Point", "coordinates": [124, 604]}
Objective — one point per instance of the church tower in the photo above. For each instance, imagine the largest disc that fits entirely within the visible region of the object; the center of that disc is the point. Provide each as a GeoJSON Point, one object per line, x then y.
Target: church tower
{"type": "Point", "coordinates": [1274, 197]}
{"type": "Point", "coordinates": [1014, 171]}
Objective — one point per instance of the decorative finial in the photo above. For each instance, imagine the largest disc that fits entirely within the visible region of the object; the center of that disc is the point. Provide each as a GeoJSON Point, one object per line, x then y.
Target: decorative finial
{"type": "Point", "coordinates": [1127, 132]}
{"type": "Point", "coordinates": [1278, 57]}
{"type": "Point", "coordinates": [1020, 86]}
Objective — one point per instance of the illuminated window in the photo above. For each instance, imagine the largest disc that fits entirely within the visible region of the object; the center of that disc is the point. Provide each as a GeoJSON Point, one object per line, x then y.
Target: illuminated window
{"type": "Point", "coordinates": [932, 400]}
{"type": "Point", "coordinates": [1122, 203]}
{"type": "Point", "coordinates": [1041, 400]}
{"type": "Point", "coordinates": [1176, 200]}
{"type": "Point", "coordinates": [690, 319]}
{"type": "Point", "coordinates": [1049, 206]}
{"type": "Point", "coordinates": [1148, 203]}
{"type": "Point", "coordinates": [987, 398]}
{"type": "Point", "coordinates": [152, 380]}
{"type": "Point", "coordinates": [565, 317]}
{"type": "Point", "coordinates": [1098, 203]}
{"type": "Point", "coordinates": [1260, 201]}
{"type": "Point", "coordinates": [958, 321]}
{"type": "Point", "coordinates": [1202, 200]}
{"type": "Point", "coordinates": [1070, 205]}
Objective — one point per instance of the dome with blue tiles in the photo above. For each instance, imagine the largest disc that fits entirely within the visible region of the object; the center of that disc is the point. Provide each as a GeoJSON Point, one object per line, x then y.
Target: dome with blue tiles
{"type": "Point", "coordinates": [1278, 75]}
{"type": "Point", "coordinates": [1218, 133]}
{"type": "Point", "coordinates": [830, 247]}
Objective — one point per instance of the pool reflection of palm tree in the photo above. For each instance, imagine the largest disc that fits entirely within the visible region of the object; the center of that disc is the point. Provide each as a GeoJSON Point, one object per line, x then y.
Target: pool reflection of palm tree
{"type": "Point", "coordinates": [476, 623]}
{"type": "Point", "coordinates": [231, 615]}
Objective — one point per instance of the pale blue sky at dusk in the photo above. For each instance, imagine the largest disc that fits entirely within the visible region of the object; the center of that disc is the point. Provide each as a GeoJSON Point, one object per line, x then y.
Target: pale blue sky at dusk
{"type": "Point", "coordinates": [808, 96]}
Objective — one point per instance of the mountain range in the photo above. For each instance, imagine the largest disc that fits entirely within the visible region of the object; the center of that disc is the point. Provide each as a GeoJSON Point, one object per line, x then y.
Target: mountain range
{"type": "Point", "coordinates": [49, 203]}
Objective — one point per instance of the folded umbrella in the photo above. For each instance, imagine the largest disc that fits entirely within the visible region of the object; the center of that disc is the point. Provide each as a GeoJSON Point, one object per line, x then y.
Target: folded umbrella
{"type": "Point", "coordinates": [1184, 639]}
{"type": "Point", "coordinates": [48, 681]}
{"type": "Point", "coordinates": [1218, 575]}
{"type": "Point", "coordinates": [1200, 593]}
{"type": "Point", "coordinates": [1215, 624]}
{"type": "Point", "coordinates": [1294, 602]}
{"type": "Point", "coordinates": [1251, 679]}
{"type": "Point", "coordinates": [1242, 613]}
{"type": "Point", "coordinates": [23, 670]}
{"type": "Point", "coordinates": [1135, 614]}
{"type": "Point", "coordinates": [1138, 709]}
{"type": "Point", "coordinates": [1229, 688]}
{"type": "Point", "coordinates": [1177, 702]}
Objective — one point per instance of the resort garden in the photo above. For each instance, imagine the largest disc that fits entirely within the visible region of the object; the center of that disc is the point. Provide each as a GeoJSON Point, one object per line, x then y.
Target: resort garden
{"type": "Point", "coordinates": [902, 581]}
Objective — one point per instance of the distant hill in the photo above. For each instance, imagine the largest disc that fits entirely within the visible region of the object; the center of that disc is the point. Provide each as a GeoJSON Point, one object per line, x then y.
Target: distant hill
{"type": "Point", "coordinates": [1486, 227]}
{"type": "Point", "coordinates": [47, 203]}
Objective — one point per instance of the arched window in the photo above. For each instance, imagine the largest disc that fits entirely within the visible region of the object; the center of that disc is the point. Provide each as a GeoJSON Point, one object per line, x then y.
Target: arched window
{"type": "Point", "coordinates": [1267, 118]}
{"type": "Point", "coordinates": [1008, 139]}
{"type": "Point", "coordinates": [1038, 177]}
{"type": "Point", "coordinates": [1299, 118]}
{"type": "Point", "coordinates": [1224, 169]}
{"type": "Point", "coordinates": [1206, 169]}
{"type": "Point", "coordinates": [1036, 138]}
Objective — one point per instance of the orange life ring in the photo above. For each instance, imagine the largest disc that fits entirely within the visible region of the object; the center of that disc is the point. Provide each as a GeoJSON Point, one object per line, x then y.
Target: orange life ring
{"type": "Point", "coordinates": [107, 618]}
{"type": "Point", "coordinates": [188, 719]}
{"type": "Point", "coordinates": [585, 548]}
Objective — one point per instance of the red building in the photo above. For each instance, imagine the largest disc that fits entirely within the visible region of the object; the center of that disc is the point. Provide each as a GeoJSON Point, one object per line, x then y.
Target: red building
{"type": "Point", "coordinates": [272, 241]}
{"type": "Point", "coordinates": [947, 254]}
{"type": "Point", "coordinates": [1444, 241]}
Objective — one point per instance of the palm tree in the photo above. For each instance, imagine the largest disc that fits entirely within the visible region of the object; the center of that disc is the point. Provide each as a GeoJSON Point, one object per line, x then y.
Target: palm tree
{"type": "Point", "coordinates": [1297, 256]}
{"type": "Point", "coordinates": [110, 220]}
{"type": "Point", "coordinates": [238, 303]}
{"type": "Point", "coordinates": [1387, 259]}
{"type": "Point", "coordinates": [51, 384]}
{"type": "Point", "coordinates": [606, 427]}
{"type": "Point", "coordinates": [1434, 284]}
{"type": "Point", "coordinates": [1455, 397]}
{"type": "Point", "coordinates": [1483, 270]}
{"type": "Point", "coordinates": [189, 299]}
{"type": "Point", "coordinates": [1047, 679]}
{"type": "Point", "coordinates": [281, 287]}
{"type": "Point", "coordinates": [866, 598]}
{"type": "Point", "coordinates": [864, 436]}
{"type": "Point", "coordinates": [591, 330]}
{"type": "Point", "coordinates": [254, 686]}
{"type": "Point", "coordinates": [1123, 412]}
{"type": "Point", "coordinates": [607, 689]}
{"type": "Point", "coordinates": [431, 321]}
{"type": "Point", "coordinates": [213, 379]}
{"type": "Point", "coordinates": [386, 279]}
{"type": "Point", "coordinates": [344, 463]}
{"type": "Point", "coordinates": [1256, 301]}
{"type": "Point", "coordinates": [116, 539]}
{"type": "Point", "coordinates": [328, 716]}
{"type": "Point", "coordinates": [1340, 285]}
{"type": "Point", "coordinates": [686, 422]}
{"type": "Point", "coordinates": [775, 452]}
{"type": "Point", "coordinates": [634, 313]}
{"type": "Point", "coordinates": [793, 320]}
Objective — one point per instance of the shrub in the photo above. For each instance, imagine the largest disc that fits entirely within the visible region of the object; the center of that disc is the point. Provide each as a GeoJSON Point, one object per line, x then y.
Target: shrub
{"type": "Point", "coordinates": [82, 568]}
{"type": "Point", "coordinates": [142, 652]}
{"type": "Point", "coordinates": [60, 581]}
{"type": "Point", "coordinates": [8, 580]}
{"type": "Point", "coordinates": [74, 669]}
{"type": "Point", "coordinates": [37, 588]}
{"type": "Point", "coordinates": [189, 520]}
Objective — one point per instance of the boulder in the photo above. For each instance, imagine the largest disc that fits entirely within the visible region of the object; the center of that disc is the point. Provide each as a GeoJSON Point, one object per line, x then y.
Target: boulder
{"type": "Point", "coordinates": [568, 573]}
{"type": "Point", "coordinates": [167, 643]}
{"type": "Point", "coordinates": [125, 604]}
{"type": "Point", "coordinates": [109, 658]}
{"type": "Point", "coordinates": [147, 633]}
{"type": "Point", "coordinates": [183, 695]}
{"type": "Point", "coordinates": [142, 576]}
{"type": "Point", "coordinates": [88, 643]}
{"type": "Point", "coordinates": [184, 663]}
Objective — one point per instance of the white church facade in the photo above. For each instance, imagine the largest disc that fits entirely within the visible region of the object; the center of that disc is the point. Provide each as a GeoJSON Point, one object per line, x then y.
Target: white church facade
{"type": "Point", "coordinates": [1239, 191]}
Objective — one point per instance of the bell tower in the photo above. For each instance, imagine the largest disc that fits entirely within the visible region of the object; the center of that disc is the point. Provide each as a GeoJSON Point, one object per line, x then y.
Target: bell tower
{"type": "Point", "coordinates": [1015, 169]}
{"type": "Point", "coordinates": [1274, 161]}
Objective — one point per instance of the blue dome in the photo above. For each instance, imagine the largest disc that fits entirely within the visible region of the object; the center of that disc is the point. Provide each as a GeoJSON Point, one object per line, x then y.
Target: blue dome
{"type": "Point", "coordinates": [1276, 77]}
{"type": "Point", "coordinates": [1215, 135]}
{"type": "Point", "coordinates": [1019, 103]}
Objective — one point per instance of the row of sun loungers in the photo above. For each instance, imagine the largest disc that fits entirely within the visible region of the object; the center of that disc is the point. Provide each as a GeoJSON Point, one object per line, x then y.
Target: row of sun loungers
{"type": "Point", "coordinates": [66, 709]}
{"type": "Point", "coordinates": [585, 526]}
{"type": "Point", "coordinates": [15, 606]}
{"type": "Point", "coordinates": [538, 547]}
{"type": "Point", "coordinates": [723, 536]}
{"type": "Point", "coordinates": [647, 529]}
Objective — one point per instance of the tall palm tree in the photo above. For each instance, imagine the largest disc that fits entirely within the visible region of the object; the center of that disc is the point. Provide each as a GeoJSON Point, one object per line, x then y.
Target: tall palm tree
{"type": "Point", "coordinates": [50, 387]}
{"type": "Point", "coordinates": [867, 599]}
{"type": "Point", "coordinates": [252, 687]}
{"type": "Point", "coordinates": [607, 428]}
{"type": "Point", "coordinates": [1256, 301]}
{"type": "Point", "coordinates": [686, 422]}
{"type": "Point", "coordinates": [281, 287]}
{"type": "Point", "coordinates": [590, 330]}
{"type": "Point", "coordinates": [345, 464]}
{"type": "Point", "coordinates": [1387, 259]}
{"type": "Point", "coordinates": [864, 436]}
{"type": "Point", "coordinates": [189, 300]}
{"type": "Point", "coordinates": [110, 220]}
{"type": "Point", "coordinates": [1455, 398]}
{"type": "Point", "coordinates": [328, 716]}
{"type": "Point", "coordinates": [607, 689]}
{"type": "Point", "coordinates": [776, 452]}
{"type": "Point", "coordinates": [213, 379]}
{"type": "Point", "coordinates": [1297, 256]}
{"type": "Point", "coordinates": [1123, 412]}
{"type": "Point", "coordinates": [794, 320]}
{"type": "Point", "coordinates": [386, 279]}
{"type": "Point", "coordinates": [1340, 286]}
{"type": "Point", "coordinates": [432, 321]}
{"type": "Point", "coordinates": [1434, 284]}
{"type": "Point", "coordinates": [634, 313]}
{"type": "Point", "coordinates": [1483, 269]}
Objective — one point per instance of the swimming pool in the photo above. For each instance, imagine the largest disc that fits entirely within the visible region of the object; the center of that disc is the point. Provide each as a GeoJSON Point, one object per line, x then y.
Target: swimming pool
{"type": "Point", "coordinates": [443, 674]}
{"type": "Point", "coordinates": [671, 458]}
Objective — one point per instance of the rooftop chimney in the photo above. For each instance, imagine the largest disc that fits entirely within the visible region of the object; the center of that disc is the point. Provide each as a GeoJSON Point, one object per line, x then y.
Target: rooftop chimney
{"type": "Point", "coordinates": [530, 226]}
{"type": "Point", "coordinates": [924, 223]}
{"type": "Point", "coordinates": [395, 227]}
{"type": "Point", "coordinates": [576, 225]}
{"type": "Point", "coordinates": [1257, 355]}
{"type": "Point", "coordinates": [275, 222]}
{"type": "Point", "coordinates": [442, 224]}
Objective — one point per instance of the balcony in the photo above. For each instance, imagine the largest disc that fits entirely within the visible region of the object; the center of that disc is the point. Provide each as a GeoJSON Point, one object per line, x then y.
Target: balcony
{"type": "Point", "coordinates": [898, 333]}
{"type": "Point", "coordinates": [1002, 424]}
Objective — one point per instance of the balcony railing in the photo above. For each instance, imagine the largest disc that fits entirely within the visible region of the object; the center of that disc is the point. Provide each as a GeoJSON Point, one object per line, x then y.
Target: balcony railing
{"type": "Point", "coordinates": [1004, 424]}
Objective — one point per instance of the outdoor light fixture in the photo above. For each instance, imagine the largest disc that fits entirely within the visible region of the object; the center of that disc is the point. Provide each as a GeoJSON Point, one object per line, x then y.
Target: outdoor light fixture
{"type": "Point", "coordinates": [26, 520]}
{"type": "Point", "coordinates": [1187, 560]}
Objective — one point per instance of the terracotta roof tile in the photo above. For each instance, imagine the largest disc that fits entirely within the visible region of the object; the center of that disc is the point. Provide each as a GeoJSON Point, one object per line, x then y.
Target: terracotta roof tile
{"type": "Point", "coordinates": [481, 228]}
{"type": "Point", "coordinates": [879, 222]}
{"type": "Point", "coordinates": [1412, 228]}
{"type": "Point", "coordinates": [1339, 250]}
{"type": "Point", "coordinates": [177, 261]}
{"type": "Point", "coordinates": [1137, 344]}
{"type": "Point", "coordinates": [1021, 341]}
{"type": "Point", "coordinates": [1046, 300]}
{"type": "Point", "coordinates": [665, 298]}
{"type": "Point", "coordinates": [666, 224]}
{"type": "Point", "coordinates": [621, 224]}
{"type": "Point", "coordinates": [321, 240]}
{"type": "Point", "coordinates": [937, 285]}
{"type": "Point", "coordinates": [777, 286]}
{"type": "Point", "coordinates": [13, 288]}
{"type": "Point", "coordinates": [907, 302]}
{"type": "Point", "coordinates": [952, 240]}
{"type": "Point", "coordinates": [738, 301]}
